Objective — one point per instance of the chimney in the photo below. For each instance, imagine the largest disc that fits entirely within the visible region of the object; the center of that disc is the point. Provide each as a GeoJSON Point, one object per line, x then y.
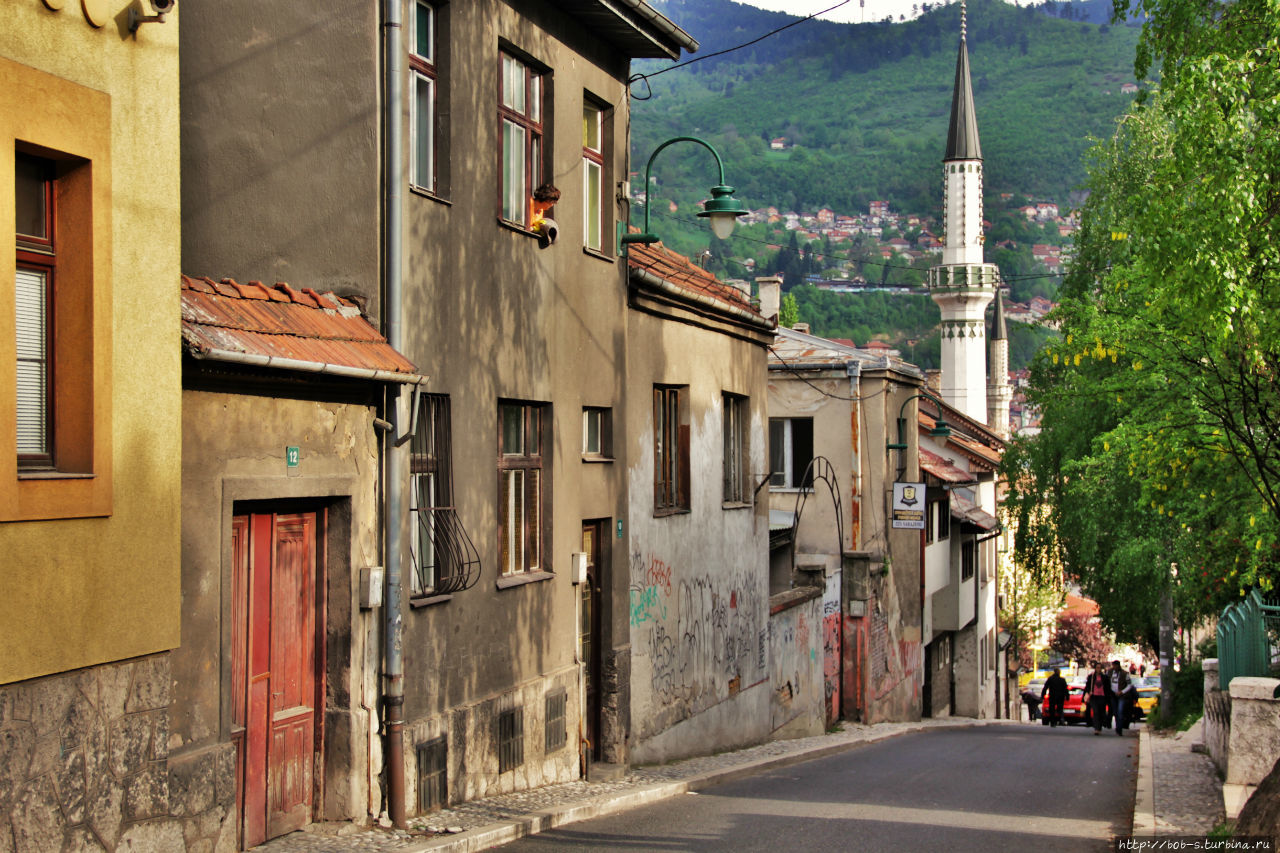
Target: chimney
{"type": "Point", "coordinates": [770, 295]}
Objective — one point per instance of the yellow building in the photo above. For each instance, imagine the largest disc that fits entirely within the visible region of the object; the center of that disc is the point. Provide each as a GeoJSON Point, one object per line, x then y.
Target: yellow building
{"type": "Point", "coordinates": [90, 430]}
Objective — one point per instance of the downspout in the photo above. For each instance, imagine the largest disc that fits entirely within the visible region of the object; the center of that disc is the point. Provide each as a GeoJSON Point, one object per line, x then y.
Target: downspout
{"type": "Point", "coordinates": [393, 635]}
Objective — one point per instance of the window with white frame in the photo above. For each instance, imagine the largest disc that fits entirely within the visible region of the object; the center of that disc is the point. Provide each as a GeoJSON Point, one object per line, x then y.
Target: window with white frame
{"type": "Point", "coordinates": [790, 452]}
{"type": "Point", "coordinates": [423, 94]}
{"type": "Point", "coordinates": [737, 489]}
{"type": "Point", "coordinates": [521, 486]}
{"type": "Point", "coordinates": [592, 175]}
{"type": "Point", "coordinates": [597, 438]}
{"type": "Point", "coordinates": [521, 111]}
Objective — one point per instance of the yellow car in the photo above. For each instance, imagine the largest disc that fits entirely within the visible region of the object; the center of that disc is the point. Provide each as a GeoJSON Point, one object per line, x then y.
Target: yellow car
{"type": "Point", "coordinates": [1148, 694]}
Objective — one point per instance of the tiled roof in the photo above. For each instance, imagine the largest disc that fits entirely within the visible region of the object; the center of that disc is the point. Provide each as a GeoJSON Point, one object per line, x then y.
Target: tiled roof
{"type": "Point", "coordinates": [282, 327]}
{"type": "Point", "coordinates": [942, 469]}
{"type": "Point", "coordinates": [678, 270]}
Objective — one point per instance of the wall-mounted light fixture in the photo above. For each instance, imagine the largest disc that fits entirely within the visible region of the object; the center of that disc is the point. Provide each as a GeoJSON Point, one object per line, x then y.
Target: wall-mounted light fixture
{"type": "Point", "coordinates": [722, 209]}
{"type": "Point", "coordinates": [940, 429]}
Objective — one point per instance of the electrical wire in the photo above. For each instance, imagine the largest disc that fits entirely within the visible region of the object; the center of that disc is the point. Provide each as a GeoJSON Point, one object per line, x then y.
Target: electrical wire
{"type": "Point", "coordinates": [795, 371]}
{"type": "Point", "coordinates": [634, 78]}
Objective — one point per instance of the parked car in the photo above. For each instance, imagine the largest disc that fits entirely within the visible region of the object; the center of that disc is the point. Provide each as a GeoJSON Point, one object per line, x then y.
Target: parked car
{"type": "Point", "coordinates": [1148, 695]}
{"type": "Point", "coordinates": [1074, 709]}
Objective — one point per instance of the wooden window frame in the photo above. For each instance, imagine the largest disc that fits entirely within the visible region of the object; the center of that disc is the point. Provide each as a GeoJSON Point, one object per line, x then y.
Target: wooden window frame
{"type": "Point", "coordinates": [603, 415]}
{"type": "Point", "coordinates": [530, 462]}
{"type": "Point", "coordinates": [735, 413]}
{"type": "Point", "coordinates": [593, 198]}
{"type": "Point", "coordinates": [529, 119]}
{"type": "Point", "coordinates": [968, 559]}
{"type": "Point", "coordinates": [39, 254]}
{"type": "Point", "coordinates": [423, 70]}
{"type": "Point", "coordinates": [76, 137]}
{"type": "Point", "coordinates": [787, 477]}
{"type": "Point", "coordinates": [670, 449]}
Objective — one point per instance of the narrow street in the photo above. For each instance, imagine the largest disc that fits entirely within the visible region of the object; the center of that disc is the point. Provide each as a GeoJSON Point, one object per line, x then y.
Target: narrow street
{"type": "Point", "coordinates": [991, 788]}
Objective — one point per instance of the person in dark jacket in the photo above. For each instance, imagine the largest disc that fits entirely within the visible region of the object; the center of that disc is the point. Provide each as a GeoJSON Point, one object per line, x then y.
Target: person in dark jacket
{"type": "Point", "coordinates": [1055, 690]}
{"type": "Point", "coordinates": [1097, 693]}
{"type": "Point", "coordinates": [1118, 681]}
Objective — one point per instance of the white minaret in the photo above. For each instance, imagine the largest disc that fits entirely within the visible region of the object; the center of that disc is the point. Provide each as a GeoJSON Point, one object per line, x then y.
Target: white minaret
{"type": "Point", "coordinates": [962, 284]}
{"type": "Point", "coordinates": [999, 391]}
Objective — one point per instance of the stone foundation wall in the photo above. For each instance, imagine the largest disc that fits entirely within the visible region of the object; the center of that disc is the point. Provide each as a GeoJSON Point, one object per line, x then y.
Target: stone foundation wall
{"type": "Point", "coordinates": [84, 760]}
{"type": "Point", "coordinates": [1217, 716]}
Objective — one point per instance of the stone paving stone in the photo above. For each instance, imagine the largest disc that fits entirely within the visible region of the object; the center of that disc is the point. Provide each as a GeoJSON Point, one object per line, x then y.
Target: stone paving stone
{"type": "Point", "coordinates": [1188, 792]}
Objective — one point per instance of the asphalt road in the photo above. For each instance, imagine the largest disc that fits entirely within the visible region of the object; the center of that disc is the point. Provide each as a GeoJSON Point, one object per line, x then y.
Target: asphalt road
{"type": "Point", "coordinates": [1024, 788]}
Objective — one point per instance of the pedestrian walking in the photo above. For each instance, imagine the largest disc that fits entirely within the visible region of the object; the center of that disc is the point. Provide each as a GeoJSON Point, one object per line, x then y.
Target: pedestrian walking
{"type": "Point", "coordinates": [1118, 681]}
{"type": "Point", "coordinates": [1055, 689]}
{"type": "Point", "coordinates": [1096, 687]}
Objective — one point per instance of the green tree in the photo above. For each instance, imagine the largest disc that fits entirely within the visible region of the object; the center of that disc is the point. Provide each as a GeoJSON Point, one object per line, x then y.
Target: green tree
{"type": "Point", "coordinates": [788, 311]}
{"type": "Point", "coordinates": [1157, 470]}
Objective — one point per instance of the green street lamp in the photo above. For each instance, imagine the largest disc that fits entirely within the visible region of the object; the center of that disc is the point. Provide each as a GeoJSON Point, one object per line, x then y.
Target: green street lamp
{"type": "Point", "coordinates": [940, 428]}
{"type": "Point", "coordinates": [722, 209]}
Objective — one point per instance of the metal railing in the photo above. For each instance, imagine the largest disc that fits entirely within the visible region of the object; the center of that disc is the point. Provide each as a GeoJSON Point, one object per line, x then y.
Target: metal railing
{"type": "Point", "coordinates": [1248, 631]}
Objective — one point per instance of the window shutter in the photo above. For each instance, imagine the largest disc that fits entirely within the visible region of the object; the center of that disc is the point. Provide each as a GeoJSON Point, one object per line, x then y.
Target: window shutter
{"type": "Point", "coordinates": [33, 362]}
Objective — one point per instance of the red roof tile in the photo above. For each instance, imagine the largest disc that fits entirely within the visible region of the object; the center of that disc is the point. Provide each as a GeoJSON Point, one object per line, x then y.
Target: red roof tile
{"type": "Point", "coordinates": [229, 318]}
{"type": "Point", "coordinates": [683, 273]}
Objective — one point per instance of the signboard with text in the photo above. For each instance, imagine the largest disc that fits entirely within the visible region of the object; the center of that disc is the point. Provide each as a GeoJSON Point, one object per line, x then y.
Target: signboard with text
{"type": "Point", "coordinates": [908, 506]}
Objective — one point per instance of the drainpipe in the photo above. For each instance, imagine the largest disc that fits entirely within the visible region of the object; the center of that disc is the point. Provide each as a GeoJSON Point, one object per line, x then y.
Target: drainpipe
{"type": "Point", "coordinates": [393, 636]}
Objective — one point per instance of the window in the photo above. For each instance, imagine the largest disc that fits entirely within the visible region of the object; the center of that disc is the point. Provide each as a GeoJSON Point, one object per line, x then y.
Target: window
{"type": "Point", "coordinates": [597, 432]}
{"type": "Point", "coordinates": [36, 273]}
{"type": "Point", "coordinates": [444, 558]}
{"type": "Point", "coordinates": [422, 106]}
{"type": "Point", "coordinates": [968, 559]}
{"type": "Point", "coordinates": [790, 452]}
{"type": "Point", "coordinates": [521, 113]}
{"type": "Point", "coordinates": [521, 487]}
{"type": "Point", "coordinates": [937, 519]}
{"type": "Point", "coordinates": [670, 449]}
{"type": "Point", "coordinates": [510, 739]}
{"type": "Point", "coordinates": [736, 488]}
{"type": "Point", "coordinates": [592, 175]}
{"type": "Point", "coordinates": [557, 733]}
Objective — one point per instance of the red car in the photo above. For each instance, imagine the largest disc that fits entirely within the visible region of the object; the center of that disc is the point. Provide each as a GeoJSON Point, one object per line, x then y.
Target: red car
{"type": "Point", "coordinates": [1074, 709]}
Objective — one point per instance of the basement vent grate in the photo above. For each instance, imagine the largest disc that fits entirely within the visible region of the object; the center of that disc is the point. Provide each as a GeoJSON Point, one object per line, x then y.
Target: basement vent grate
{"type": "Point", "coordinates": [510, 739]}
{"type": "Point", "coordinates": [557, 734]}
{"type": "Point", "coordinates": [433, 779]}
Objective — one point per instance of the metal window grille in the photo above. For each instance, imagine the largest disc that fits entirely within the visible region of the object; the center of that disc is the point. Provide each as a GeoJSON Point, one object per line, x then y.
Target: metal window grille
{"type": "Point", "coordinates": [557, 732]}
{"type": "Point", "coordinates": [510, 739]}
{"type": "Point", "coordinates": [433, 777]}
{"type": "Point", "coordinates": [445, 560]}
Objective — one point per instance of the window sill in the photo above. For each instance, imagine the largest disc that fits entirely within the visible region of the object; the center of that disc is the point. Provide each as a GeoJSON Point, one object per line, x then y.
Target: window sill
{"type": "Point", "coordinates": [597, 254]}
{"type": "Point", "coordinates": [52, 475]}
{"type": "Point", "coordinates": [736, 505]}
{"type": "Point", "coordinates": [517, 228]}
{"type": "Point", "coordinates": [428, 194]}
{"type": "Point", "coordinates": [429, 601]}
{"type": "Point", "coordinates": [508, 581]}
{"type": "Point", "coordinates": [663, 513]}
{"type": "Point", "coordinates": [595, 457]}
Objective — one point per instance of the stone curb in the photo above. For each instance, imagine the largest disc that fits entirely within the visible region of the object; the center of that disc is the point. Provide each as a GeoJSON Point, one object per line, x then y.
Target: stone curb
{"type": "Point", "coordinates": [540, 821]}
{"type": "Point", "coordinates": [1144, 800]}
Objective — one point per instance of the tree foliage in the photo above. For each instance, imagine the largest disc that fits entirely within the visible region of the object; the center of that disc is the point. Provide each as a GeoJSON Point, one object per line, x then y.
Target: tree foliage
{"type": "Point", "coordinates": [1078, 637]}
{"type": "Point", "coordinates": [1158, 464]}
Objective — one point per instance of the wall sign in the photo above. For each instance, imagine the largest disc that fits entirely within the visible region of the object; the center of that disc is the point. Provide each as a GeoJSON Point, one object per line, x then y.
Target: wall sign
{"type": "Point", "coordinates": [908, 506]}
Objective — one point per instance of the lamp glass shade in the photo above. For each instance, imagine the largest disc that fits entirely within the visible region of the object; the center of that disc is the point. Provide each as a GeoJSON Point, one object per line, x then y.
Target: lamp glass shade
{"type": "Point", "coordinates": [722, 224]}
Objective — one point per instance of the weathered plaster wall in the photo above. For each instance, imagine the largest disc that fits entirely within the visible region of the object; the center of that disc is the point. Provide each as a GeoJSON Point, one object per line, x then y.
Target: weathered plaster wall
{"type": "Point", "coordinates": [699, 596]}
{"type": "Point", "coordinates": [796, 670]}
{"type": "Point", "coordinates": [233, 452]}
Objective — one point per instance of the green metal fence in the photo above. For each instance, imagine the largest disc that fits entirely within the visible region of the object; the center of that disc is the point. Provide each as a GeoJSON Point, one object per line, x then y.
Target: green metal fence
{"type": "Point", "coordinates": [1247, 635]}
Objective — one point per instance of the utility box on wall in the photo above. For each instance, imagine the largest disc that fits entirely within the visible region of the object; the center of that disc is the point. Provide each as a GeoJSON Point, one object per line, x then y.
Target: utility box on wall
{"type": "Point", "coordinates": [578, 568]}
{"type": "Point", "coordinates": [371, 587]}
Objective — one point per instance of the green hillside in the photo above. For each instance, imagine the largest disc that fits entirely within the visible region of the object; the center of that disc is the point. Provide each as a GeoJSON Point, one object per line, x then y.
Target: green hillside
{"type": "Point", "coordinates": [865, 106]}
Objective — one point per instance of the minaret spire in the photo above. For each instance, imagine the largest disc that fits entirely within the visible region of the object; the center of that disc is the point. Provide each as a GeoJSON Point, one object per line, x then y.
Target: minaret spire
{"type": "Point", "coordinates": [963, 284]}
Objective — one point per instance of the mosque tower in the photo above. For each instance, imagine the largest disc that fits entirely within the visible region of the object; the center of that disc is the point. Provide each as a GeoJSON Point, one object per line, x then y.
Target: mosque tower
{"type": "Point", "coordinates": [999, 391]}
{"type": "Point", "coordinates": [963, 285]}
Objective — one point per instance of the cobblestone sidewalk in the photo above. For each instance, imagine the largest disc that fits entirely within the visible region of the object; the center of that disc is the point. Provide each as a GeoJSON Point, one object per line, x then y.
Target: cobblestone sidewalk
{"type": "Point", "coordinates": [436, 830]}
{"type": "Point", "coordinates": [1188, 792]}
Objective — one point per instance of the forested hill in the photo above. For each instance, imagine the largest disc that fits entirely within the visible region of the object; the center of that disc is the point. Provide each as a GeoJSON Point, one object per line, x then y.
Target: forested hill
{"type": "Point", "coordinates": [864, 107]}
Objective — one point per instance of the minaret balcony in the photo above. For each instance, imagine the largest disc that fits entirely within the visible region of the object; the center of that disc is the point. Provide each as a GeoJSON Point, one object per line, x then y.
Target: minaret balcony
{"type": "Point", "coordinates": [962, 278]}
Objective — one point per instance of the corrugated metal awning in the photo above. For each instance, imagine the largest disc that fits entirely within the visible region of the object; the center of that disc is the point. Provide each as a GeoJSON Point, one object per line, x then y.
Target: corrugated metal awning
{"type": "Point", "coordinates": [942, 469]}
{"type": "Point", "coordinates": [970, 513]}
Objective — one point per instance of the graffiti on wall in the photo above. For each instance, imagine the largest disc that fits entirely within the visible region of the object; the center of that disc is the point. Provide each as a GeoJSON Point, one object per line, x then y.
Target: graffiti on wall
{"type": "Point", "coordinates": [795, 670]}
{"type": "Point", "coordinates": [831, 647]}
{"type": "Point", "coordinates": [892, 661]}
{"type": "Point", "coordinates": [702, 632]}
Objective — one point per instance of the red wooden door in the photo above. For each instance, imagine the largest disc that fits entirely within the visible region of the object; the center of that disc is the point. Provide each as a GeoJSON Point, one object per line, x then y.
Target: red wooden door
{"type": "Point", "coordinates": [276, 582]}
